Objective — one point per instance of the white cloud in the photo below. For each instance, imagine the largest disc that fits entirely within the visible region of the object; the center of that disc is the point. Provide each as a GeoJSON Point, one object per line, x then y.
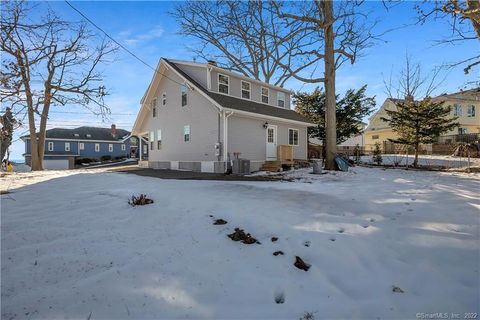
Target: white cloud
{"type": "Point", "coordinates": [134, 39]}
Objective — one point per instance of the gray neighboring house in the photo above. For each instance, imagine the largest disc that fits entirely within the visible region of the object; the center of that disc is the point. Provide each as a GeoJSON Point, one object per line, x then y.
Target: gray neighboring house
{"type": "Point", "coordinates": [200, 117]}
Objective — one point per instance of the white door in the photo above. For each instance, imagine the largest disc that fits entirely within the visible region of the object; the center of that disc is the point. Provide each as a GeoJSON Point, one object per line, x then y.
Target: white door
{"type": "Point", "coordinates": [55, 164]}
{"type": "Point", "coordinates": [271, 142]}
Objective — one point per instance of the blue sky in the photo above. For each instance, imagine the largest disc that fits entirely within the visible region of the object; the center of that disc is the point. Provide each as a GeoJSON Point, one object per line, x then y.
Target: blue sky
{"type": "Point", "coordinates": [148, 31]}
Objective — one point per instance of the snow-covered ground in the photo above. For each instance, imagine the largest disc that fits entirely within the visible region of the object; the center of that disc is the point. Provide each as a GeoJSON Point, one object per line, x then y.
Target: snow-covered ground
{"type": "Point", "coordinates": [73, 248]}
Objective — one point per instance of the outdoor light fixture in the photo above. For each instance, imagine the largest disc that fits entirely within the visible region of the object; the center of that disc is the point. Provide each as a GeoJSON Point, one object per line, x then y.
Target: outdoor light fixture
{"type": "Point", "coordinates": [265, 125]}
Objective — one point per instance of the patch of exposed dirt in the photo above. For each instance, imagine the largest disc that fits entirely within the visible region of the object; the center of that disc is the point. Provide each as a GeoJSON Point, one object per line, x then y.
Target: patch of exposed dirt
{"type": "Point", "coordinates": [219, 222]}
{"type": "Point", "coordinates": [141, 200]}
{"type": "Point", "coordinates": [240, 235]}
{"type": "Point", "coordinates": [274, 239]}
{"type": "Point", "coordinates": [278, 253]}
{"type": "Point", "coordinates": [300, 264]}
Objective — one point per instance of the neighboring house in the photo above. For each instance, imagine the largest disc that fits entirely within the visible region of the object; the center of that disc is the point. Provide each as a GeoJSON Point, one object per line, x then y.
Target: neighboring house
{"type": "Point", "coordinates": [64, 146]}
{"type": "Point", "coordinates": [464, 104]}
{"type": "Point", "coordinates": [200, 117]}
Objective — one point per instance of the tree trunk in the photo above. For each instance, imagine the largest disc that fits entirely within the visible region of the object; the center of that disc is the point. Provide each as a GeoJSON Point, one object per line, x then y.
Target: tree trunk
{"type": "Point", "coordinates": [330, 103]}
{"type": "Point", "coordinates": [415, 161]}
{"type": "Point", "coordinates": [474, 7]}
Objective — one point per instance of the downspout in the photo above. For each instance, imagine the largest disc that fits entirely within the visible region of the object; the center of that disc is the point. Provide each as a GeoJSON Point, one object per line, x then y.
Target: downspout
{"type": "Point", "coordinates": [225, 137]}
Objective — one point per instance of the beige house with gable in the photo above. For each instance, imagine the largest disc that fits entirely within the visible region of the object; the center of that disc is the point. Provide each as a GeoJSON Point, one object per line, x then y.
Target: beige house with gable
{"type": "Point", "coordinates": [464, 104]}
{"type": "Point", "coordinates": [200, 117]}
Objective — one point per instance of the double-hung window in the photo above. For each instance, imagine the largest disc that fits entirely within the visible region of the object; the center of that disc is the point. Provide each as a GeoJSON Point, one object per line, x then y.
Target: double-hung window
{"type": "Point", "coordinates": [154, 108]}
{"type": "Point", "coordinates": [123, 146]}
{"type": "Point", "coordinates": [67, 146]}
{"type": "Point", "coordinates": [462, 131]}
{"type": "Point", "coordinates": [110, 147]}
{"type": "Point", "coordinates": [471, 111]}
{"type": "Point", "coordinates": [164, 99]}
{"type": "Point", "coordinates": [264, 95]}
{"type": "Point", "coordinates": [223, 83]}
{"type": "Point", "coordinates": [457, 110]}
{"type": "Point", "coordinates": [281, 99]}
{"type": "Point", "coordinates": [81, 146]}
{"type": "Point", "coordinates": [152, 139]}
{"type": "Point", "coordinates": [186, 133]}
{"type": "Point", "coordinates": [184, 92]}
{"type": "Point", "coordinates": [246, 90]}
{"type": "Point", "coordinates": [159, 139]}
{"type": "Point", "coordinates": [50, 146]}
{"type": "Point", "coordinates": [97, 147]}
{"type": "Point", "coordinates": [293, 137]}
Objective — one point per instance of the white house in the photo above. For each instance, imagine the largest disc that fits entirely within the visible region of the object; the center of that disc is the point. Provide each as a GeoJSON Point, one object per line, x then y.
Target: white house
{"type": "Point", "coordinates": [199, 117]}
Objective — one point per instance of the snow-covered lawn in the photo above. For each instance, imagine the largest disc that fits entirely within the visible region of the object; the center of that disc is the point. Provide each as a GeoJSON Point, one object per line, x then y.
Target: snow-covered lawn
{"type": "Point", "coordinates": [425, 160]}
{"type": "Point", "coordinates": [73, 248]}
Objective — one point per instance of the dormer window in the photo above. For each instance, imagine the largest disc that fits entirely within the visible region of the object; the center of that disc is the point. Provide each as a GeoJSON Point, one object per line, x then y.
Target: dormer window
{"type": "Point", "coordinates": [246, 90]}
{"type": "Point", "coordinates": [223, 83]}
{"type": "Point", "coordinates": [76, 135]}
{"type": "Point", "coordinates": [88, 135]}
{"type": "Point", "coordinates": [281, 99]}
{"type": "Point", "coordinates": [265, 95]}
{"type": "Point", "coordinates": [184, 91]}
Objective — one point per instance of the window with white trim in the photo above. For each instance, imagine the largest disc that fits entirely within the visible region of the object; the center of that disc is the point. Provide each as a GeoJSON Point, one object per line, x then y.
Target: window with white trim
{"type": "Point", "coordinates": [186, 133]}
{"type": "Point", "coordinates": [97, 147]}
{"type": "Point", "coordinates": [184, 92]}
{"type": "Point", "coordinates": [223, 83]}
{"type": "Point", "coordinates": [81, 146]}
{"type": "Point", "coordinates": [457, 110]}
{"type": "Point", "coordinates": [281, 99]}
{"type": "Point", "coordinates": [67, 146]}
{"type": "Point", "coordinates": [152, 139]}
{"type": "Point", "coordinates": [110, 147]}
{"type": "Point", "coordinates": [462, 131]}
{"type": "Point", "coordinates": [123, 146]}
{"type": "Point", "coordinates": [159, 139]}
{"type": "Point", "coordinates": [293, 137]}
{"type": "Point", "coordinates": [50, 146]}
{"type": "Point", "coordinates": [164, 99]}
{"type": "Point", "coordinates": [265, 95]}
{"type": "Point", "coordinates": [471, 111]}
{"type": "Point", "coordinates": [154, 108]}
{"type": "Point", "coordinates": [245, 90]}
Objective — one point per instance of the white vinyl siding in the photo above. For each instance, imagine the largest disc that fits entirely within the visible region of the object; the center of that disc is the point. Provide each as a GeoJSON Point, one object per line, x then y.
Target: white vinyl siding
{"type": "Point", "coordinates": [265, 94]}
{"type": "Point", "coordinates": [97, 147]}
{"type": "Point", "coordinates": [67, 146]}
{"type": "Point", "coordinates": [281, 99]}
{"type": "Point", "coordinates": [245, 90]}
{"type": "Point", "coordinates": [81, 146]}
{"type": "Point", "coordinates": [50, 146]}
{"type": "Point", "coordinates": [293, 137]}
{"type": "Point", "coordinates": [223, 83]}
{"type": "Point", "coordinates": [110, 147]}
{"type": "Point", "coordinates": [186, 133]}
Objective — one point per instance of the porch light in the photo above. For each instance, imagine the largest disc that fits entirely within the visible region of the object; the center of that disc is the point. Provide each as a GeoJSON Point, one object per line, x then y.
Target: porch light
{"type": "Point", "coordinates": [265, 125]}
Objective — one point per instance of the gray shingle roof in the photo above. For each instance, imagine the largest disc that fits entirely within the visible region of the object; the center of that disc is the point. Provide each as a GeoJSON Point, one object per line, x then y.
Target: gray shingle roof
{"type": "Point", "coordinates": [242, 104]}
{"type": "Point", "coordinates": [85, 133]}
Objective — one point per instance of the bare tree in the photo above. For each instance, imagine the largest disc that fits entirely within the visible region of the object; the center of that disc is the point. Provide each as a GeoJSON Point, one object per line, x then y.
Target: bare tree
{"type": "Point", "coordinates": [247, 37]}
{"type": "Point", "coordinates": [342, 32]}
{"type": "Point", "coordinates": [45, 63]}
{"type": "Point", "coordinates": [464, 19]}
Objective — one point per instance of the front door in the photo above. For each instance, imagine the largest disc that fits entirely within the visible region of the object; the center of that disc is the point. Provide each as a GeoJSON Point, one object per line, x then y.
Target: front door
{"type": "Point", "coordinates": [271, 142]}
